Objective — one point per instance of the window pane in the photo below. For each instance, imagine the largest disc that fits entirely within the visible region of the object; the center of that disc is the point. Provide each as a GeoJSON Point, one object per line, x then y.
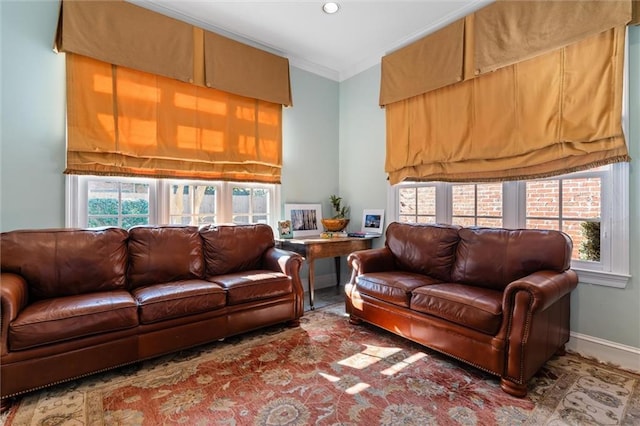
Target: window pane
{"type": "Point", "coordinates": [543, 224]}
{"type": "Point", "coordinates": [543, 198]}
{"type": "Point", "coordinates": [581, 198]}
{"type": "Point", "coordinates": [408, 201]}
{"type": "Point", "coordinates": [490, 222]}
{"type": "Point", "coordinates": [490, 201]}
{"type": "Point", "coordinates": [112, 203]}
{"type": "Point", "coordinates": [102, 221]}
{"type": "Point", "coordinates": [189, 203]}
{"type": "Point", "coordinates": [260, 201]}
{"type": "Point", "coordinates": [417, 205]}
{"type": "Point", "coordinates": [427, 201]}
{"type": "Point", "coordinates": [464, 221]}
{"type": "Point", "coordinates": [463, 200]}
{"type": "Point", "coordinates": [241, 199]}
{"type": "Point", "coordinates": [102, 198]}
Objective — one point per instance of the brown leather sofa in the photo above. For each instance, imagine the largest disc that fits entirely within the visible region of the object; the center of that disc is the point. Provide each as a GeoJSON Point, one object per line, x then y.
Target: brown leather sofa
{"type": "Point", "coordinates": [497, 299]}
{"type": "Point", "coordinates": [79, 301]}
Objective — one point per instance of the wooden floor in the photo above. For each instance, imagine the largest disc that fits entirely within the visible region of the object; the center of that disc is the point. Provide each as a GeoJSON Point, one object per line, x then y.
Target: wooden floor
{"type": "Point", "coordinates": [325, 296]}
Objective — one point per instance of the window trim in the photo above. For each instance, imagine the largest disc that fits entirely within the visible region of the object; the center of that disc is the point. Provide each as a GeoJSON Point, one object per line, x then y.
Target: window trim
{"type": "Point", "coordinates": [76, 187]}
{"type": "Point", "coordinates": [611, 271]}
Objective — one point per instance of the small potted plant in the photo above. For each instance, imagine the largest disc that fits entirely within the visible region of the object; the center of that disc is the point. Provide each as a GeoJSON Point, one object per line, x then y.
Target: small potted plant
{"type": "Point", "coordinates": [340, 219]}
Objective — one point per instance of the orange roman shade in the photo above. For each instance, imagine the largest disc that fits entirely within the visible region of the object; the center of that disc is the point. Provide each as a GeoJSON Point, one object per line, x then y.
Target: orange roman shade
{"type": "Point", "coordinates": [500, 34]}
{"type": "Point", "coordinates": [244, 70]}
{"type": "Point", "coordinates": [430, 63]}
{"type": "Point", "coordinates": [126, 122]}
{"type": "Point", "coordinates": [556, 113]}
{"type": "Point", "coordinates": [121, 33]}
{"type": "Point", "coordinates": [507, 32]}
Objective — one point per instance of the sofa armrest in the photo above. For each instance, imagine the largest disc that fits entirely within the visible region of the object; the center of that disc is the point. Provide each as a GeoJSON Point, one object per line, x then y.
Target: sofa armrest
{"type": "Point", "coordinates": [545, 288]}
{"type": "Point", "coordinates": [289, 263]}
{"type": "Point", "coordinates": [536, 312]}
{"type": "Point", "coordinates": [371, 260]}
{"type": "Point", "coordinates": [14, 296]}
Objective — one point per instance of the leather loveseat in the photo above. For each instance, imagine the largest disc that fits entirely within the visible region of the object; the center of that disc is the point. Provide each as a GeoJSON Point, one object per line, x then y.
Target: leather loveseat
{"type": "Point", "coordinates": [497, 299]}
{"type": "Point", "coordinates": [80, 301]}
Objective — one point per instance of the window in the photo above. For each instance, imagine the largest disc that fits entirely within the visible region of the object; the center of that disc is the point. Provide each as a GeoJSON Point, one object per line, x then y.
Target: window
{"type": "Point", "coordinates": [117, 203]}
{"type": "Point", "coordinates": [590, 206]}
{"type": "Point", "coordinates": [114, 201]}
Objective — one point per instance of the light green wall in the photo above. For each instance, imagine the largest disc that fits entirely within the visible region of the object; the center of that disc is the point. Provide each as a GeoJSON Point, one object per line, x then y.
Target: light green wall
{"type": "Point", "coordinates": [33, 117]}
{"type": "Point", "coordinates": [362, 145]}
{"type": "Point", "coordinates": [603, 312]}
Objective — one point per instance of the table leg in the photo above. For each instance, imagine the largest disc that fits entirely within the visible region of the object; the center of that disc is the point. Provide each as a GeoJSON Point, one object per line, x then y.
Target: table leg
{"type": "Point", "coordinates": [337, 262]}
{"type": "Point", "coordinates": [311, 283]}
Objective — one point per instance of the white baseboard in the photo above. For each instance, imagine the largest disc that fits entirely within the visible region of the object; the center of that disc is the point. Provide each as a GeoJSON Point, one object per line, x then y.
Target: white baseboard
{"type": "Point", "coordinates": [623, 356]}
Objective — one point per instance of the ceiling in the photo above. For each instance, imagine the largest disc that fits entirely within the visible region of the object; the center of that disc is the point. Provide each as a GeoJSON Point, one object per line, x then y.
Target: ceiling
{"type": "Point", "coordinates": [335, 46]}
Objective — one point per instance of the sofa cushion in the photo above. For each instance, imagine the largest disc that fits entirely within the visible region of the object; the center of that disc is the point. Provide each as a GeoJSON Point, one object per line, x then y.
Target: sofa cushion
{"type": "Point", "coordinates": [423, 249]}
{"type": "Point", "coordinates": [393, 287]}
{"type": "Point", "coordinates": [73, 317]}
{"type": "Point", "coordinates": [247, 286]}
{"type": "Point", "coordinates": [178, 299]}
{"type": "Point", "coordinates": [229, 248]}
{"type": "Point", "coordinates": [66, 262]}
{"type": "Point", "coordinates": [473, 307]}
{"type": "Point", "coordinates": [159, 254]}
{"type": "Point", "coordinates": [492, 258]}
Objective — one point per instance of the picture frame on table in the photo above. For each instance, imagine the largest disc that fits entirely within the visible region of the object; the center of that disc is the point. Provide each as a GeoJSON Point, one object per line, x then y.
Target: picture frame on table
{"type": "Point", "coordinates": [284, 229]}
{"type": "Point", "coordinates": [372, 222]}
{"type": "Point", "coordinates": [306, 219]}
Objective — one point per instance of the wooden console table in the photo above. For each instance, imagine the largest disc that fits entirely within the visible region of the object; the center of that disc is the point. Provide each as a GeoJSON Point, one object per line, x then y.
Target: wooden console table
{"type": "Point", "coordinates": [313, 248]}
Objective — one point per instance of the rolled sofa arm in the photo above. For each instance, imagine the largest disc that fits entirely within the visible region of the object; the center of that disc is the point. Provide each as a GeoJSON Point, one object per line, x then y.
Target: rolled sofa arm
{"type": "Point", "coordinates": [284, 261]}
{"type": "Point", "coordinates": [536, 312]}
{"type": "Point", "coordinates": [14, 296]}
{"type": "Point", "coordinates": [545, 287]}
{"type": "Point", "coordinates": [289, 263]}
{"type": "Point", "coordinates": [371, 260]}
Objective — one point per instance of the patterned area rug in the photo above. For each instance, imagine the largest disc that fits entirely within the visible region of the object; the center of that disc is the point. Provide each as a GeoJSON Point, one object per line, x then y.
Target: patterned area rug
{"type": "Point", "coordinates": [329, 372]}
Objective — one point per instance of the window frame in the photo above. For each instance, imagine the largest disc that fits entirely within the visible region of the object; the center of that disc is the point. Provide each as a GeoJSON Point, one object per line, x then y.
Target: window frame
{"type": "Point", "coordinates": [613, 268]}
{"type": "Point", "coordinates": [76, 198]}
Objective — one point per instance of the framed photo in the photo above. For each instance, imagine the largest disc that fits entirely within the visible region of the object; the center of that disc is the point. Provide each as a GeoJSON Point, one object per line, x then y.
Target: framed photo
{"type": "Point", "coordinates": [372, 221]}
{"type": "Point", "coordinates": [305, 219]}
{"type": "Point", "coordinates": [284, 229]}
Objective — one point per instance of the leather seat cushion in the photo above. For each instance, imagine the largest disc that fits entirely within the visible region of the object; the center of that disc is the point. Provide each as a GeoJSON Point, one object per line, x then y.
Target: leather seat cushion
{"type": "Point", "coordinates": [246, 286]}
{"type": "Point", "coordinates": [473, 307]}
{"type": "Point", "coordinates": [55, 320]}
{"type": "Point", "coordinates": [393, 287]}
{"type": "Point", "coordinates": [176, 299]}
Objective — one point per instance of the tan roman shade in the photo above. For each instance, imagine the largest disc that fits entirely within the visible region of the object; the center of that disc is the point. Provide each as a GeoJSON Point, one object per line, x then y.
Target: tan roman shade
{"type": "Point", "coordinates": [556, 113]}
{"type": "Point", "coordinates": [238, 68]}
{"type": "Point", "coordinates": [507, 32]}
{"type": "Point", "coordinates": [121, 33]}
{"type": "Point", "coordinates": [427, 64]}
{"type": "Point", "coordinates": [129, 123]}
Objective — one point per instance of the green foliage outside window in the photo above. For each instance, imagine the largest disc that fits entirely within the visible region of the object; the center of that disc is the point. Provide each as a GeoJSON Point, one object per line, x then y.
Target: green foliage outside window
{"type": "Point", "coordinates": [590, 246]}
{"type": "Point", "coordinates": [107, 209]}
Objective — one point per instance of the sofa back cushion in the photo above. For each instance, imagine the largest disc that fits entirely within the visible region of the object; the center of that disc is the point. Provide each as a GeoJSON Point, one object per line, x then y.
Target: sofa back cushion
{"type": "Point", "coordinates": [235, 248]}
{"type": "Point", "coordinates": [423, 249]}
{"type": "Point", "coordinates": [161, 254]}
{"type": "Point", "coordinates": [492, 258]}
{"type": "Point", "coordinates": [66, 262]}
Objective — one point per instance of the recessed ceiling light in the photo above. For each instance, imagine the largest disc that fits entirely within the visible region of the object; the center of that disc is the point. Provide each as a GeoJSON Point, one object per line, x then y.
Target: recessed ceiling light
{"type": "Point", "coordinates": [330, 7]}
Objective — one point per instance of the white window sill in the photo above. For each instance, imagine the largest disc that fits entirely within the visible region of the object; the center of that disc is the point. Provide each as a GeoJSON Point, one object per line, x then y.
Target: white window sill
{"type": "Point", "coordinates": [607, 279]}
